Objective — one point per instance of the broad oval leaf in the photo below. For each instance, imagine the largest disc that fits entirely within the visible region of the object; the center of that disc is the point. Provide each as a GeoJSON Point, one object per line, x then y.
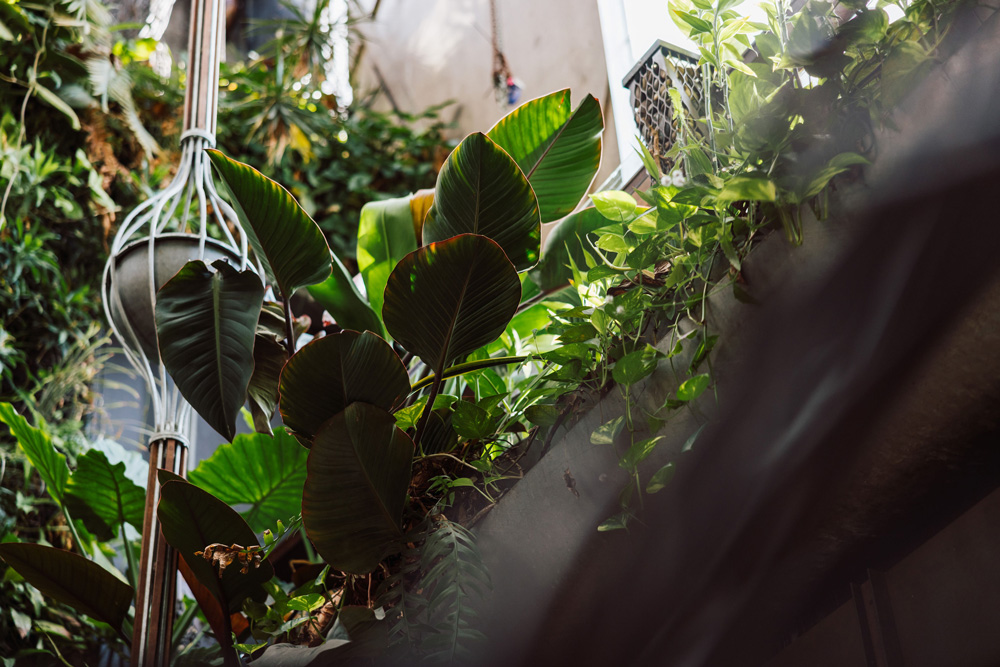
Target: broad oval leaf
{"type": "Point", "coordinates": [566, 240]}
{"type": "Point", "coordinates": [340, 297]}
{"type": "Point", "coordinates": [558, 149]}
{"type": "Point", "coordinates": [266, 472]}
{"type": "Point", "coordinates": [446, 299]}
{"type": "Point", "coordinates": [102, 496]}
{"type": "Point", "coordinates": [191, 519]}
{"type": "Point", "coordinates": [282, 235]}
{"type": "Point", "coordinates": [328, 374]}
{"type": "Point", "coordinates": [386, 233]}
{"type": "Point", "coordinates": [359, 471]}
{"type": "Point", "coordinates": [38, 447]}
{"type": "Point", "coordinates": [205, 324]}
{"type": "Point", "coordinates": [481, 190]}
{"type": "Point", "coordinates": [269, 358]}
{"type": "Point", "coordinates": [71, 579]}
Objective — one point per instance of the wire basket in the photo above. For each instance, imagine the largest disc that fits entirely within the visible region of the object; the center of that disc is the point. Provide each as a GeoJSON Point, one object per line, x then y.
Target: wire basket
{"type": "Point", "coordinates": [663, 67]}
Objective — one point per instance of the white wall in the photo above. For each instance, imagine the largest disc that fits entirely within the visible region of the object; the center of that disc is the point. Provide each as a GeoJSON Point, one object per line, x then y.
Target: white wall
{"type": "Point", "coordinates": [431, 51]}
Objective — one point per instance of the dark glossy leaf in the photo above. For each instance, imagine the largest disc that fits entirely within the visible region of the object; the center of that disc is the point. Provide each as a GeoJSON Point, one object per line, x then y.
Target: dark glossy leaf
{"type": "Point", "coordinates": [205, 324]}
{"type": "Point", "coordinates": [71, 579]}
{"type": "Point", "coordinates": [340, 297]}
{"type": "Point", "coordinates": [385, 235]}
{"type": "Point", "coordinates": [38, 447]}
{"type": "Point", "coordinates": [283, 236]}
{"type": "Point", "coordinates": [103, 497]}
{"type": "Point", "coordinates": [481, 190]}
{"type": "Point", "coordinates": [693, 387]}
{"type": "Point", "coordinates": [269, 358]}
{"type": "Point", "coordinates": [360, 633]}
{"type": "Point", "coordinates": [447, 299]}
{"type": "Point", "coordinates": [359, 472]}
{"type": "Point", "coordinates": [191, 519]}
{"type": "Point", "coordinates": [471, 421]}
{"type": "Point", "coordinates": [558, 149]}
{"type": "Point", "coordinates": [566, 240]}
{"type": "Point", "coordinates": [543, 415]}
{"type": "Point", "coordinates": [328, 374]}
{"type": "Point", "coordinates": [263, 471]}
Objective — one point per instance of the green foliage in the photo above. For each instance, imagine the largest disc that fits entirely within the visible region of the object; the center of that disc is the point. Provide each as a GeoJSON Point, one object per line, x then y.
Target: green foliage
{"type": "Point", "coordinates": [359, 471]}
{"type": "Point", "coordinates": [205, 325]}
{"type": "Point", "coordinates": [266, 472]}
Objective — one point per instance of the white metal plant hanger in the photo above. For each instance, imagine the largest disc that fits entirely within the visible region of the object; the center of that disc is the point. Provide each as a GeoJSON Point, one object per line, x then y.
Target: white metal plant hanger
{"type": "Point", "coordinates": [185, 221]}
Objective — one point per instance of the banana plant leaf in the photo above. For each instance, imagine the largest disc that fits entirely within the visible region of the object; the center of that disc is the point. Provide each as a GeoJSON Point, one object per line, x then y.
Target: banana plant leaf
{"type": "Point", "coordinates": [269, 358]}
{"type": "Point", "coordinates": [283, 236]}
{"type": "Point", "coordinates": [359, 472]}
{"type": "Point", "coordinates": [386, 233]}
{"type": "Point", "coordinates": [71, 579]}
{"type": "Point", "coordinates": [263, 471]}
{"type": "Point", "coordinates": [328, 374]}
{"type": "Point", "coordinates": [559, 150]}
{"type": "Point", "coordinates": [446, 299]}
{"type": "Point", "coordinates": [191, 519]}
{"type": "Point", "coordinates": [205, 324]}
{"type": "Point", "coordinates": [38, 447]}
{"type": "Point", "coordinates": [567, 239]}
{"type": "Point", "coordinates": [481, 190]}
{"type": "Point", "coordinates": [421, 202]}
{"type": "Point", "coordinates": [340, 297]}
{"type": "Point", "coordinates": [102, 496]}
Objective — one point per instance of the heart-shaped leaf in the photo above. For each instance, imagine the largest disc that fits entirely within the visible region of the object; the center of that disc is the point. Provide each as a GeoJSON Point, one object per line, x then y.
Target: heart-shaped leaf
{"type": "Point", "coordinates": [38, 447]}
{"type": "Point", "coordinates": [446, 299]}
{"type": "Point", "coordinates": [359, 471]}
{"type": "Point", "coordinates": [328, 374]}
{"type": "Point", "coordinates": [263, 471]}
{"type": "Point", "coordinates": [481, 190]}
{"type": "Point", "coordinates": [205, 323]}
{"type": "Point", "coordinates": [71, 579]}
{"type": "Point", "coordinates": [385, 235]}
{"type": "Point", "coordinates": [282, 235]}
{"type": "Point", "coordinates": [559, 150]}
{"type": "Point", "coordinates": [103, 497]}
{"type": "Point", "coordinates": [340, 297]}
{"type": "Point", "coordinates": [567, 239]}
{"type": "Point", "coordinates": [191, 519]}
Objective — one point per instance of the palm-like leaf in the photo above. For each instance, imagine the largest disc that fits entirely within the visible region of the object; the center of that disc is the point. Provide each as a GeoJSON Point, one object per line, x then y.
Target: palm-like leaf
{"type": "Point", "coordinates": [205, 324]}
{"type": "Point", "coordinates": [50, 464]}
{"type": "Point", "coordinates": [447, 299]}
{"type": "Point", "coordinates": [283, 236]}
{"type": "Point", "coordinates": [266, 472]}
{"type": "Point", "coordinates": [481, 190]}
{"type": "Point", "coordinates": [385, 235]}
{"type": "Point", "coordinates": [559, 150]}
{"type": "Point", "coordinates": [359, 471]}
{"type": "Point", "coordinates": [71, 579]}
{"type": "Point", "coordinates": [339, 296]}
{"type": "Point", "coordinates": [328, 374]}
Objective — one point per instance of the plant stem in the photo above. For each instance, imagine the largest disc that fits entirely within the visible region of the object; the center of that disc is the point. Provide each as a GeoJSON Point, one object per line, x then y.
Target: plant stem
{"type": "Point", "coordinates": [429, 407]}
{"type": "Point", "coordinates": [130, 557]}
{"type": "Point", "coordinates": [289, 327]}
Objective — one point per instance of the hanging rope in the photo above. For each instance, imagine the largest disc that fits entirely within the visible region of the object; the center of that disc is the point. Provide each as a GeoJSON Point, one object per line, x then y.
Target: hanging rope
{"type": "Point", "coordinates": [505, 86]}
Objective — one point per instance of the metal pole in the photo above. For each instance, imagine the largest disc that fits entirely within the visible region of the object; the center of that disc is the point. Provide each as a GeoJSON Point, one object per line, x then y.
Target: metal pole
{"type": "Point", "coordinates": [156, 600]}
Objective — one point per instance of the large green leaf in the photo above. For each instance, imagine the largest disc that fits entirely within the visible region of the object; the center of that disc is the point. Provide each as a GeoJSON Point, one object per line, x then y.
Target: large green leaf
{"type": "Point", "coordinates": [205, 324]}
{"type": "Point", "coordinates": [38, 447]}
{"type": "Point", "coordinates": [481, 190]}
{"type": "Point", "coordinates": [328, 374]}
{"type": "Point", "coordinates": [191, 519]}
{"type": "Point", "coordinates": [341, 298]}
{"type": "Point", "coordinates": [385, 235]}
{"type": "Point", "coordinates": [559, 150]}
{"type": "Point", "coordinates": [283, 236]}
{"type": "Point", "coordinates": [359, 471]}
{"type": "Point", "coordinates": [102, 496]}
{"type": "Point", "coordinates": [263, 471]}
{"type": "Point", "coordinates": [566, 240]}
{"type": "Point", "coordinates": [446, 299]}
{"type": "Point", "coordinates": [71, 579]}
